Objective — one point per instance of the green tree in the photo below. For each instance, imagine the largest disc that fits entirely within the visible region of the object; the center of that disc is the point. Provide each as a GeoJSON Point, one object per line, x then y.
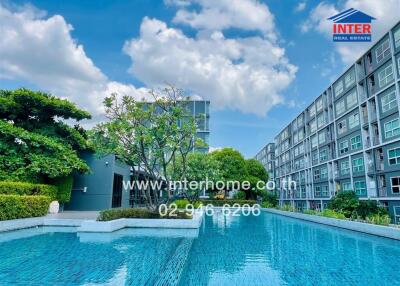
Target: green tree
{"type": "Point", "coordinates": [35, 142]}
{"type": "Point", "coordinates": [345, 202]}
{"type": "Point", "coordinates": [148, 135]}
{"type": "Point", "coordinates": [255, 172]}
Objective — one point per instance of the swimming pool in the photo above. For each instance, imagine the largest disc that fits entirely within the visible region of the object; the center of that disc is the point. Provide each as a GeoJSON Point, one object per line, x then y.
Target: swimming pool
{"type": "Point", "coordinates": [264, 250]}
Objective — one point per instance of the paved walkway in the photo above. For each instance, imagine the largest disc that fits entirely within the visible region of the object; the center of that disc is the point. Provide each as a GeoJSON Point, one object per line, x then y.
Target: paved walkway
{"type": "Point", "coordinates": [86, 215]}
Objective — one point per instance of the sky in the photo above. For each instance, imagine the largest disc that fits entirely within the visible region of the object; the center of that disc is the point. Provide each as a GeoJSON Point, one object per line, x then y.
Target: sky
{"type": "Point", "coordinates": [258, 62]}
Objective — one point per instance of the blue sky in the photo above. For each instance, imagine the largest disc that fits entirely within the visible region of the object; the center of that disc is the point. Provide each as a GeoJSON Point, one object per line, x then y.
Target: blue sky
{"type": "Point", "coordinates": [274, 58]}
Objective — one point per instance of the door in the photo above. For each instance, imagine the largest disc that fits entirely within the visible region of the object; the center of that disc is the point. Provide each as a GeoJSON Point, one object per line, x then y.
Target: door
{"type": "Point", "coordinates": [117, 191]}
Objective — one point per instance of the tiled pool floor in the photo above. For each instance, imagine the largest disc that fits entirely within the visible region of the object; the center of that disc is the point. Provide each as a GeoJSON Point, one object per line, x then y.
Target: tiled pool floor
{"type": "Point", "coordinates": [264, 250]}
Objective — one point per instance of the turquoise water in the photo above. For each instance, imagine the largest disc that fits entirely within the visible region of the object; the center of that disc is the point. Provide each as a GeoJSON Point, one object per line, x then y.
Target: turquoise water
{"type": "Point", "coordinates": [264, 250]}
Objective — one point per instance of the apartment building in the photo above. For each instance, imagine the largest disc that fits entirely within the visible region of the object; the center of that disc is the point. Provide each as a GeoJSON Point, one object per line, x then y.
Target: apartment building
{"type": "Point", "coordinates": [266, 156]}
{"type": "Point", "coordinates": [348, 138]}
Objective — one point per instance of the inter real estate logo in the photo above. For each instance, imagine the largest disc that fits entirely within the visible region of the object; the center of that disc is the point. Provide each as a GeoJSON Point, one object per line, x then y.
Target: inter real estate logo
{"type": "Point", "coordinates": [352, 26]}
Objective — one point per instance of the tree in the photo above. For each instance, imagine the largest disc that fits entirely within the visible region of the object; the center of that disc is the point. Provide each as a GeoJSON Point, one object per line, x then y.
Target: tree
{"type": "Point", "coordinates": [255, 172]}
{"type": "Point", "coordinates": [200, 167]}
{"type": "Point", "coordinates": [345, 202]}
{"type": "Point", "coordinates": [232, 165]}
{"type": "Point", "coordinates": [36, 144]}
{"type": "Point", "coordinates": [150, 136]}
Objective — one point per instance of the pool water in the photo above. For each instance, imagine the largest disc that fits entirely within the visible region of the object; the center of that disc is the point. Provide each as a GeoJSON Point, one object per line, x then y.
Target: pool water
{"type": "Point", "coordinates": [265, 250]}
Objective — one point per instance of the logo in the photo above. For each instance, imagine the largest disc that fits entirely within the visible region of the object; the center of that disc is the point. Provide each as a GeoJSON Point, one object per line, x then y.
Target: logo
{"type": "Point", "coordinates": [352, 26]}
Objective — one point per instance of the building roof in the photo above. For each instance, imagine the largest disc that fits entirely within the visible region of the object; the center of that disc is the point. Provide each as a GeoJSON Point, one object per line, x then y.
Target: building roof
{"type": "Point", "coordinates": [352, 16]}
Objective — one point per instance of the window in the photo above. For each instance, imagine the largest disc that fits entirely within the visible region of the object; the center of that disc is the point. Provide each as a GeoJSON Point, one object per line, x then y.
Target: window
{"type": "Point", "coordinates": [321, 138]}
{"type": "Point", "coordinates": [358, 165]}
{"type": "Point", "coordinates": [396, 36]}
{"type": "Point", "coordinates": [349, 79]}
{"type": "Point", "coordinates": [300, 121]}
{"type": "Point", "coordinates": [355, 142]}
{"type": "Point", "coordinates": [345, 167]}
{"type": "Point", "coordinates": [314, 141]}
{"type": "Point", "coordinates": [360, 188]}
{"type": "Point", "coordinates": [351, 99]}
{"type": "Point", "coordinates": [301, 134]}
{"type": "Point", "coordinates": [320, 120]}
{"type": "Point", "coordinates": [324, 191]}
{"type": "Point", "coordinates": [342, 128]}
{"type": "Point", "coordinates": [295, 138]}
{"type": "Point", "coordinates": [394, 156]}
{"type": "Point", "coordinates": [323, 155]}
{"type": "Point", "coordinates": [319, 104]}
{"type": "Point", "coordinates": [389, 101]}
{"type": "Point", "coordinates": [324, 173]}
{"type": "Point", "coordinates": [385, 76]}
{"type": "Point", "coordinates": [382, 51]}
{"type": "Point", "coordinates": [313, 126]}
{"type": "Point", "coordinates": [343, 147]}
{"type": "Point", "coordinates": [340, 108]}
{"type": "Point", "coordinates": [338, 88]}
{"type": "Point", "coordinates": [301, 149]}
{"type": "Point", "coordinates": [311, 110]}
{"type": "Point", "coordinates": [354, 120]}
{"type": "Point", "coordinates": [315, 158]}
{"type": "Point", "coordinates": [392, 128]}
{"type": "Point", "coordinates": [395, 181]}
{"type": "Point", "coordinates": [317, 174]}
{"type": "Point", "coordinates": [317, 191]}
{"type": "Point", "coordinates": [346, 186]}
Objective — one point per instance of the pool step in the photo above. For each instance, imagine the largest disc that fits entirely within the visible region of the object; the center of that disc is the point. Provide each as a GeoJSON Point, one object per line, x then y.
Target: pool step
{"type": "Point", "coordinates": [171, 273]}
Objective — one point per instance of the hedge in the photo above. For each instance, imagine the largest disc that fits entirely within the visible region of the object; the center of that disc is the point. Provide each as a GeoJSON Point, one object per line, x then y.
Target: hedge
{"type": "Point", "coordinates": [112, 214]}
{"type": "Point", "coordinates": [27, 189]}
{"type": "Point", "coordinates": [64, 186]}
{"type": "Point", "coordinates": [220, 203]}
{"type": "Point", "coordinates": [15, 206]}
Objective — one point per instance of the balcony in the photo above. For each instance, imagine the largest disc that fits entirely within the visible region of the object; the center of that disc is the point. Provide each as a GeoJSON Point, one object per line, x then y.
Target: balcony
{"type": "Point", "coordinates": [382, 192]}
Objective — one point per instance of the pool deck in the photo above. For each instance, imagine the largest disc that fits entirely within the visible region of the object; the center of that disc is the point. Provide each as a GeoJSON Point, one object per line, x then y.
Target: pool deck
{"type": "Point", "coordinates": [378, 230]}
{"type": "Point", "coordinates": [85, 221]}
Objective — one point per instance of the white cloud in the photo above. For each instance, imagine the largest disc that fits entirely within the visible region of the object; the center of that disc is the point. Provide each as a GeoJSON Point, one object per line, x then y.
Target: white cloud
{"type": "Point", "coordinates": [386, 12]}
{"type": "Point", "coordinates": [225, 14]}
{"type": "Point", "coordinates": [300, 7]}
{"type": "Point", "coordinates": [246, 74]}
{"type": "Point", "coordinates": [41, 51]}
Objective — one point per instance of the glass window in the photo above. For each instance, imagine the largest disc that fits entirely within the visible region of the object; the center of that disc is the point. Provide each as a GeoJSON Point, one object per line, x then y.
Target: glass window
{"type": "Point", "coordinates": [351, 99]}
{"type": "Point", "coordinates": [349, 79]}
{"type": "Point", "coordinates": [340, 108]}
{"type": "Point", "coordinates": [324, 191]}
{"type": "Point", "coordinates": [338, 88]}
{"type": "Point", "coordinates": [324, 173]}
{"type": "Point", "coordinates": [394, 156]}
{"type": "Point", "coordinates": [389, 101]}
{"type": "Point", "coordinates": [354, 120]}
{"type": "Point", "coordinates": [385, 76]}
{"type": "Point", "coordinates": [317, 191]}
{"type": "Point", "coordinates": [323, 155]}
{"type": "Point", "coordinates": [396, 36]}
{"type": "Point", "coordinates": [395, 182]}
{"type": "Point", "coordinates": [355, 142]}
{"type": "Point", "coordinates": [313, 126]}
{"type": "Point", "coordinates": [319, 104]}
{"type": "Point", "coordinates": [301, 134]}
{"type": "Point", "coordinates": [312, 110]}
{"type": "Point", "coordinates": [300, 120]}
{"type": "Point", "coordinates": [315, 158]}
{"type": "Point", "coordinates": [360, 188]}
{"type": "Point", "coordinates": [343, 147]}
{"type": "Point", "coordinates": [317, 174]}
{"type": "Point", "coordinates": [321, 137]}
{"type": "Point", "coordinates": [358, 165]}
{"type": "Point", "coordinates": [392, 128]}
{"type": "Point", "coordinates": [382, 50]}
{"type": "Point", "coordinates": [314, 141]}
{"type": "Point", "coordinates": [320, 120]}
{"type": "Point", "coordinates": [347, 186]}
{"type": "Point", "coordinates": [345, 167]}
{"type": "Point", "coordinates": [342, 128]}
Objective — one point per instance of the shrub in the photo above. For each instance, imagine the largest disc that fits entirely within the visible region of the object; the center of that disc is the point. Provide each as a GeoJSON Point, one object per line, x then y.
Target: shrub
{"type": "Point", "coordinates": [64, 186]}
{"type": "Point", "coordinates": [381, 219]}
{"type": "Point", "coordinates": [239, 195]}
{"type": "Point", "coordinates": [182, 203]}
{"type": "Point", "coordinates": [271, 198]}
{"type": "Point", "coordinates": [113, 214]}
{"type": "Point", "coordinates": [345, 202]}
{"type": "Point", "coordinates": [220, 203]}
{"type": "Point", "coordinates": [331, 214]}
{"type": "Point", "coordinates": [15, 206]}
{"type": "Point", "coordinates": [287, 208]}
{"type": "Point", "coordinates": [27, 189]}
{"type": "Point", "coordinates": [267, 205]}
{"type": "Point", "coordinates": [368, 208]}
{"type": "Point", "coordinates": [310, 212]}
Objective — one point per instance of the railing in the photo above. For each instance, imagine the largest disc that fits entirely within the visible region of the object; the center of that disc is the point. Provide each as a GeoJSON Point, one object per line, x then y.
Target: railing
{"type": "Point", "coordinates": [382, 192]}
